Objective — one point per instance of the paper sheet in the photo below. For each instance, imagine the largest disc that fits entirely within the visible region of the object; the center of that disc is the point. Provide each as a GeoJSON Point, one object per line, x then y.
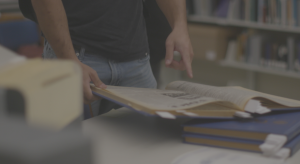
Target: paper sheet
{"type": "Point", "coordinates": [224, 156]}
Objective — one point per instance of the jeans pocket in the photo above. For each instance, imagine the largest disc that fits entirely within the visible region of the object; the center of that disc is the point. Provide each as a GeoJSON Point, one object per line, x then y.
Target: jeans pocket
{"type": "Point", "coordinates": [48, 52]}
{"type": "Point", "coordinates": [145, 59]}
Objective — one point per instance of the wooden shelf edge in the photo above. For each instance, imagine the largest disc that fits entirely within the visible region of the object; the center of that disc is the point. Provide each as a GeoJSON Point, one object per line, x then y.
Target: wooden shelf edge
{"type": "Point", "coordinates": [240, 23]}
{"type": "Point", "coordinates": [261, 69]}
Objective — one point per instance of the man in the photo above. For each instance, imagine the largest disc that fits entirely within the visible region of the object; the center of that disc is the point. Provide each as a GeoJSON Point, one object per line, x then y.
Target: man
{"type": "Point", "coordinates": [108, 39]}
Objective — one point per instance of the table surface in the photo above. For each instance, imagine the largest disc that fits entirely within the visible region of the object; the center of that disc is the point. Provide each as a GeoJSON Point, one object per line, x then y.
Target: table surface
{"type": "Point", "coordinates": [124, 136]}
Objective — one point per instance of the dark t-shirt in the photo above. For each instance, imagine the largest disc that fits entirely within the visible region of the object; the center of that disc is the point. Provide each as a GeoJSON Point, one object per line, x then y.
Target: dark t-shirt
{"type": "Point", "coordinates": [112, 28]}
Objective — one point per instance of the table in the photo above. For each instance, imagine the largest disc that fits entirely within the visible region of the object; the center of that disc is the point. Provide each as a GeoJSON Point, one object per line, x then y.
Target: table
{"type": "Point", "coordinates": [127, 137]}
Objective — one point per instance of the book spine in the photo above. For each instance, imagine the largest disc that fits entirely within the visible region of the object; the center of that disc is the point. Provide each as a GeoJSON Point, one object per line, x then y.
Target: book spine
{"type": "Point", "coordinates": [295, 148]}
{"type": "Point", "coordinates": [231, 10]}
{"type": "Point", "coordinates": [298, 13]}
{"type": "Point", "coordinates": [2, 102]}
{"type": "Point", "coordinates": [268, 55]}
{"type": "Point", "coordinates": [252, 10]}
{"type": "Point", "coordinates": [295, 12]}
{"type": "Point", "coordinates": [292, 15]}
{"type": "Point", "coordinates": [283, 12]}
{"type": "Point", "coordinates": [190, 7]}
{"type": "Point", "coordinates": [279, 11]}
{"type": "Point", "coordinates": [289, 12]}
{"type": "Point", "coordinates": [203, 9]}
{"type": "Point", "coordinates": [265, 11]}
{"type": "Point", "coordinates": [242, 10]}
{"type": "Point", "coordinates": [197, 7]}
{"type": "Point", "coordinates": [222, 9]}
{"type": "Point", "coordinates": [293, 131]}
{"type": "Point", "coordinates": [298, 57]}
{"type": "Point", "coordinates": [255, 43]}
{"type": "Point", "coordinates": [291, 52]}
{"type": "Point", "coordinates": [246, 11]}
{"type": "Point", "coordinates": [274, 12]}
{"type": "Point", "coordinates": [231, 51]}
{"type": "Point", "coordinates": [260, 5]}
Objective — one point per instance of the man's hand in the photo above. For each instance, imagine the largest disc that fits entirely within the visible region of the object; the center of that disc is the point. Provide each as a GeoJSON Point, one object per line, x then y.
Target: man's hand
{"type": "Point", "coordinates": [179, 41]}
{"type": "Point", "coordinates": [88, 75]}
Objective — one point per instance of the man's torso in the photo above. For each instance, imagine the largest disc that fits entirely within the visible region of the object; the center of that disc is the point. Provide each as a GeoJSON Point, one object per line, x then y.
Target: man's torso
{"type": "Point", "coordinates": [113, 28]}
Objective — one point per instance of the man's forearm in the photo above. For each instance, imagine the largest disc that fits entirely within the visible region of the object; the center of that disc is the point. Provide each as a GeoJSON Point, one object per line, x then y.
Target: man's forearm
{"type": "Point", "coordinates": [54, 25]}
{"type": "Point", "coordinates": [175, 12]}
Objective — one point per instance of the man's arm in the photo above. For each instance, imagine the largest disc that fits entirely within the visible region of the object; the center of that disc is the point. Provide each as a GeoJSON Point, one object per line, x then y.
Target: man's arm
{"type": "Point", "coordinates": [52, 20]}
{"type": "Point", "coordinates": [178, 40]}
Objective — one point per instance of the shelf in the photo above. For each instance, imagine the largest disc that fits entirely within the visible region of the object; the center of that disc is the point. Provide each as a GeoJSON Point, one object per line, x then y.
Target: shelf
{"type": "Point", "coordinates": [245, 24]}
{"type": "Point", "coordinates": [256, 68]}
{"type": "Point", "coordinates": [9, 6]}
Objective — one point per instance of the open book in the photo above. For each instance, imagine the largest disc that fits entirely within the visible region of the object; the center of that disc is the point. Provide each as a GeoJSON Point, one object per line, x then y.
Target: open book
{"type": "Point", "coordinates": [196, 100]}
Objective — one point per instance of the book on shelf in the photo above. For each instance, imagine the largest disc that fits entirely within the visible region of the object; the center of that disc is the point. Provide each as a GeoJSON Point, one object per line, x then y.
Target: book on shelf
{"type": "Point", "coordinates": [264, 50]}
{"type": "Point", "coordinates": [297, 56]}
{"type": "Point", "coordinates": [44, 92]}
{"type": "Point", "coordinates": [186, 99]}
{"type": "Point", "coordinates": [277, 12]}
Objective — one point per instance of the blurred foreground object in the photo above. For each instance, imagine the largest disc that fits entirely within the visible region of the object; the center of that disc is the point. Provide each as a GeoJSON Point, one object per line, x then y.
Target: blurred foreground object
{"type": "Point", "coordinates": [8, 57]}
{"type": "Point", "coordinates": [31, 51]}
{"type": "Point", "coordinates": [45, 93]}
{"type": "Point", "coordinates": [17, 33]}
{"type": "Point", "coordinates": [20, 144]}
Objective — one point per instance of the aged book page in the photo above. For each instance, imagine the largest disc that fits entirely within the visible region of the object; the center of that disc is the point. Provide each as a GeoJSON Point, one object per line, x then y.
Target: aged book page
{"type": "Point", "coordinates": [236, 95]}
{"type": "Point", "coordinates": [154, 99]}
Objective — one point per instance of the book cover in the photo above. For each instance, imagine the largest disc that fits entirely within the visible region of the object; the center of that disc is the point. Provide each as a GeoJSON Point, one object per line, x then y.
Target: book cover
{"type": "Point", "coordinates": [285, 124]}
{"type": "Point", "coordinates": [182, 98]}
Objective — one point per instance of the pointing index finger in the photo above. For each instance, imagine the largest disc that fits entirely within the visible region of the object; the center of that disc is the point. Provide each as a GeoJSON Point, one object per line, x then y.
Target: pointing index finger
{"type": "Point", "coordinates": [187, 63]}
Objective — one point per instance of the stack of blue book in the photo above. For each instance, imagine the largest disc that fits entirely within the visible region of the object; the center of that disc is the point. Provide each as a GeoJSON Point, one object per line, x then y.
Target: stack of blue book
{"type": "Point", "coordinates": [249, 135]}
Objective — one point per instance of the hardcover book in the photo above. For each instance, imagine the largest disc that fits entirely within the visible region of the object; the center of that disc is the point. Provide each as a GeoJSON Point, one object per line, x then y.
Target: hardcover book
{"type": "Point", "coordinates": [289, 148]}
{"type": "Point", "coordinates": [196, 100]}
{"type": "Point", "coordinates": [258, 128]}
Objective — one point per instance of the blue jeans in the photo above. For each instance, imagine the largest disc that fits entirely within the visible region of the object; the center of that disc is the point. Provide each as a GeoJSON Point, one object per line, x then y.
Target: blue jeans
{"type": "Point", "coordinates": [135, 73]}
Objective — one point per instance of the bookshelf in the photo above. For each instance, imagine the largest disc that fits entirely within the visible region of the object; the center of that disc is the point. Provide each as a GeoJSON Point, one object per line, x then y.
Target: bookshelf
{"type": "Point", "coordinates": [9, 6]}
{"type": "Point", "coordinates": [242, 24]}
{"type": "Point", "coordinates": [269, 31]}
{"type": "Point", "coordinates": [261, 69]}
{"type": "Point", "coordinates": [251, 68]}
